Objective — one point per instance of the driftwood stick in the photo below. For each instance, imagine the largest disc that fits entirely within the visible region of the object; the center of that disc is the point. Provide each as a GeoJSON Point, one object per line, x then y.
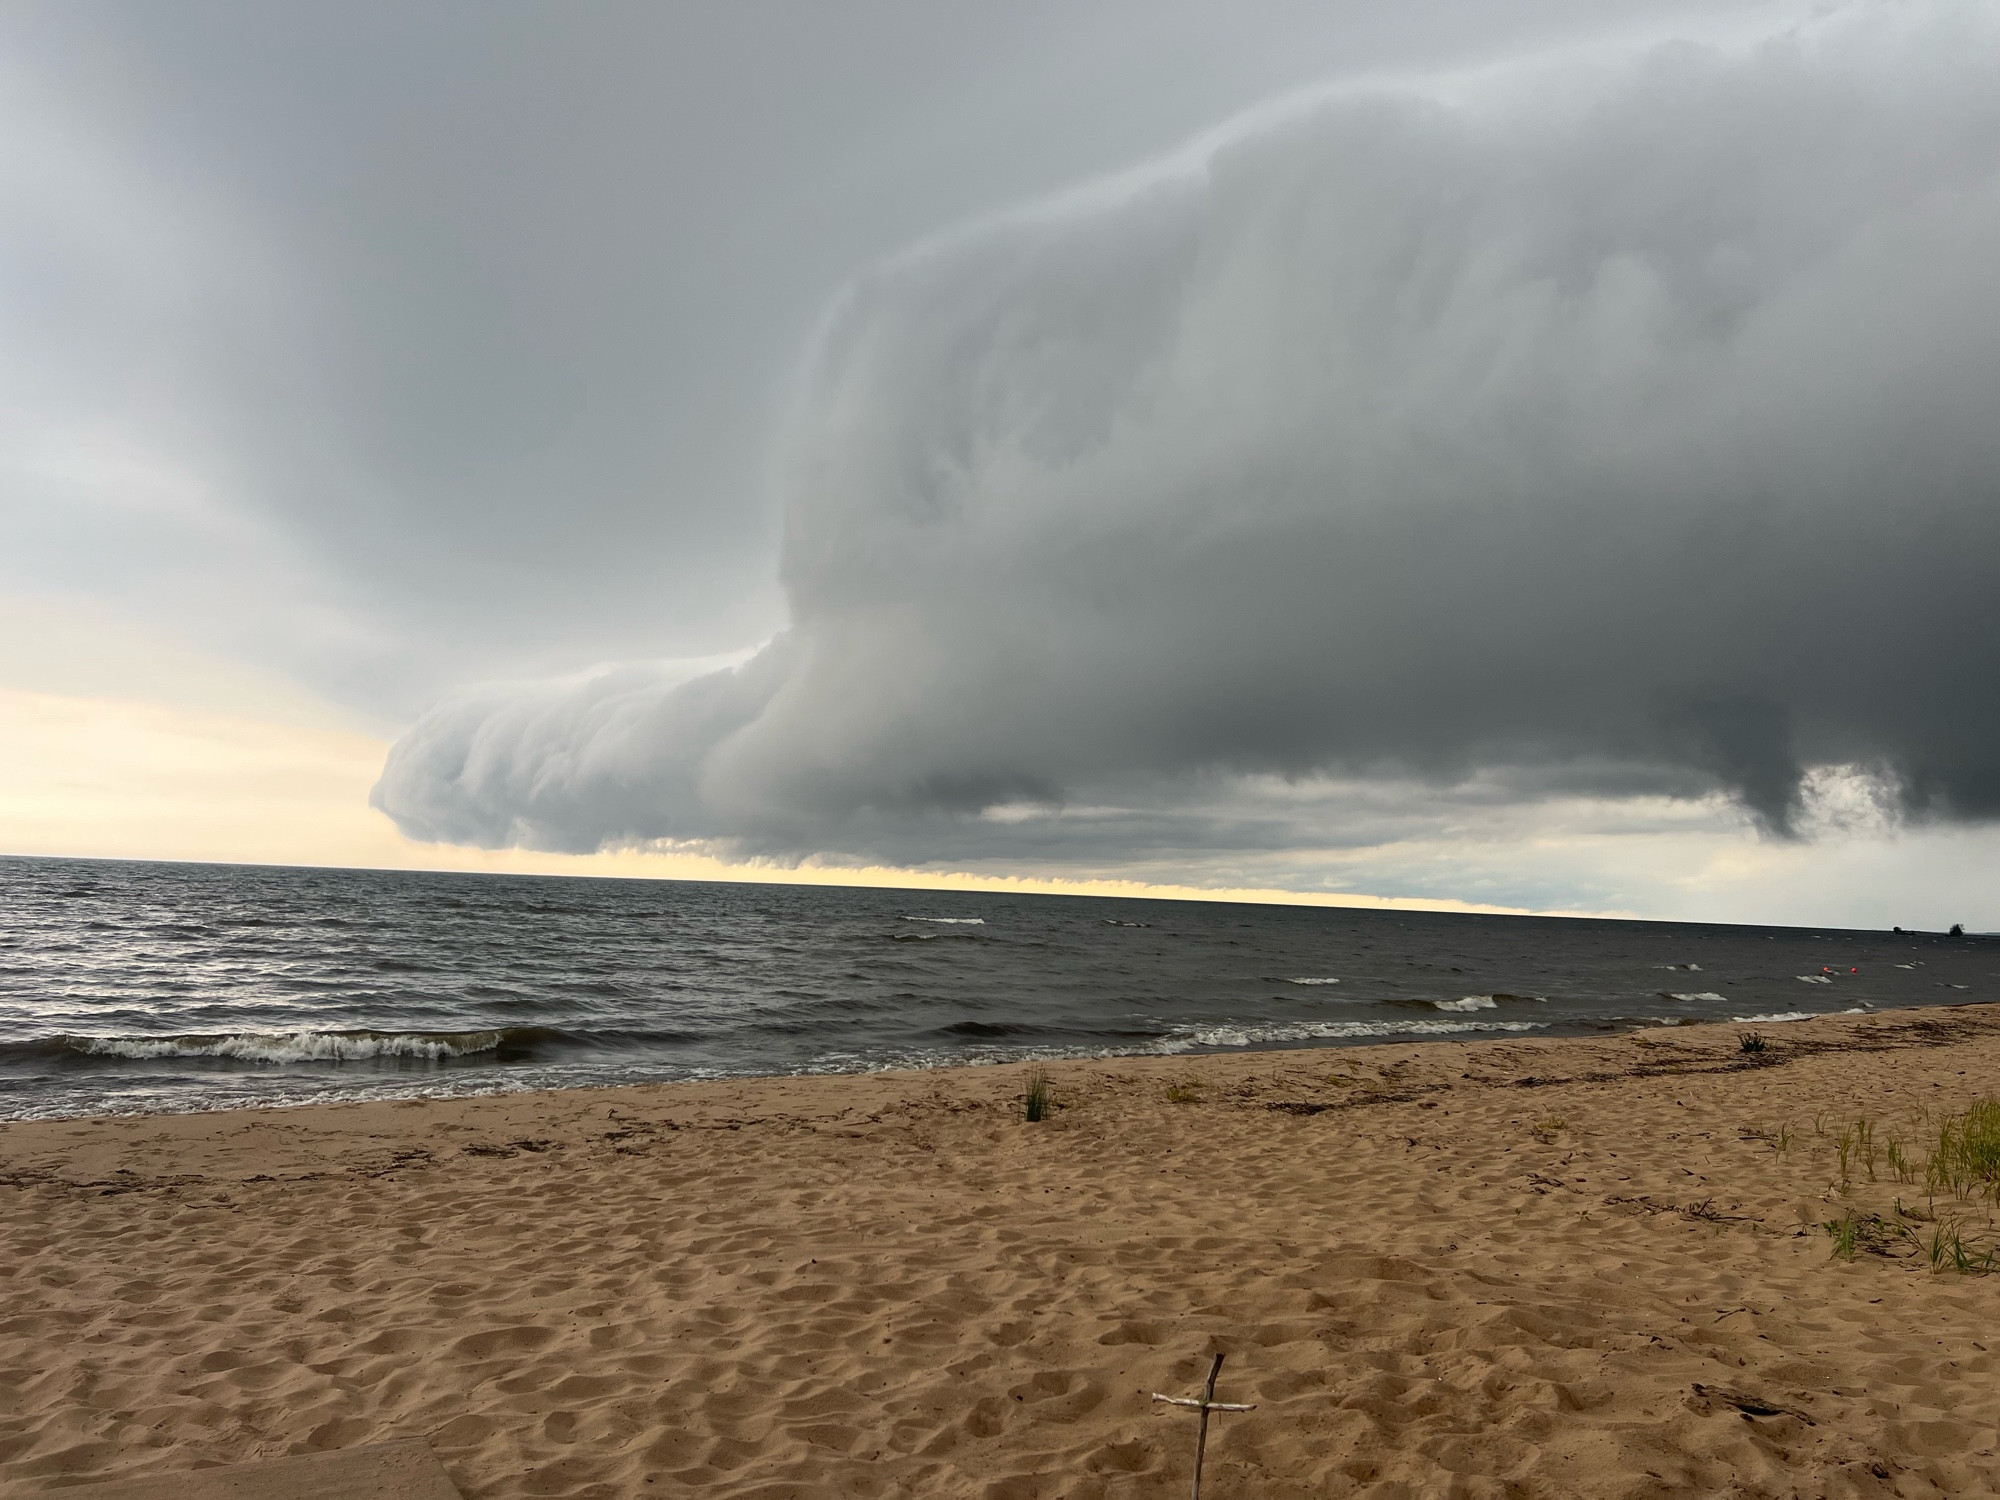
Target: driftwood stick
{"type": "Point", "coordinates": [1205, 1405]}
{"type": "Point", "coordinates": [1201, 1439]}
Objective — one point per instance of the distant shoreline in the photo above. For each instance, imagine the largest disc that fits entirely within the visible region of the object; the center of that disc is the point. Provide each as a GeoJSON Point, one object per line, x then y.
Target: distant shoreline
{"type": "Point", "coordinates": [1179, 895]}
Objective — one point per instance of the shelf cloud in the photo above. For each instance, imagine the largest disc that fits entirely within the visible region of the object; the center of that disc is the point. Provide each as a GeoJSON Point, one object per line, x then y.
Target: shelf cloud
{"type": "Point", "coordinates": [1602, 426]}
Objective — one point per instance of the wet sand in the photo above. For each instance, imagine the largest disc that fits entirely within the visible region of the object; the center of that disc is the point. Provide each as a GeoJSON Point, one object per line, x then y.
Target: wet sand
{"type": "Point", "coordinates": [1558, 1267]}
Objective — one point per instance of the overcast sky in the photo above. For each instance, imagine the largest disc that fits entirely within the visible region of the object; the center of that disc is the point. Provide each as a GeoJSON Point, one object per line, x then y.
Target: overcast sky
{"type": "Point", "coordinates": [1540, 455]}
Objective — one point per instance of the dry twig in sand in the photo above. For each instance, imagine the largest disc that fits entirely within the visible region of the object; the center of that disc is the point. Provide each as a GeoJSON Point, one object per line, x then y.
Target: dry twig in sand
{"type": "Point", "coordinates": [1206, 1404]}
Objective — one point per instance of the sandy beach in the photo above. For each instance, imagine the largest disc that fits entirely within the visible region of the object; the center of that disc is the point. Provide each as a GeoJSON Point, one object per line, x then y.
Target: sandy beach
{"type": "Point", "coordinates": [1562, 1267]}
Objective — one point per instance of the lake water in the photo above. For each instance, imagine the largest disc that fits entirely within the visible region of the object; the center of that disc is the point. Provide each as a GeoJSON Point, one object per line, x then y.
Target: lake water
{"type": "Point", "coordinates": [135, 986]}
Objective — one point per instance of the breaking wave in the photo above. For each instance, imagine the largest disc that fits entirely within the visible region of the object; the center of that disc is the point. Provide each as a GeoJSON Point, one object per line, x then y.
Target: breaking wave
{"type": "Point", "coordinates": [1466, 1004]}
{"type": "Point", "coordinates": [287, 1046]}
{"type": "Point", "coordinates": [1230, 1034]}
{"type": "Point", "coordinates": [1800, 1015]}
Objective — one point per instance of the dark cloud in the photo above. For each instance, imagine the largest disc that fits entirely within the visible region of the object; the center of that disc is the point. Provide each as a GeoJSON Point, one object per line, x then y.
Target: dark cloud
{"type": "Point", "coordinates": [455, 331]}
{"type": "Point", "coordinates": [1606, 426]}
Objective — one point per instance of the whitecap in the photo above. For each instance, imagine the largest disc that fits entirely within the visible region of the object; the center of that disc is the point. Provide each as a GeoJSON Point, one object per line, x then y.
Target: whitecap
{"type": "Point", "coordinates": [1814, 978]}
{"type": "Point", "coordinates": [293, 1046]}
{"type": "Point", "coordinates": [1233, 1034]}
{"type": "Point", "coordinates": [1312, 981]}
{"type": "Point", "coordinates": [1704, 996]}
{"type": "Point", "coordinates": [951, 921]}
{"type": "Point", "coordinates": [1783, 1015]}
{"type": "Point", "coordinates": [1467, 1003]}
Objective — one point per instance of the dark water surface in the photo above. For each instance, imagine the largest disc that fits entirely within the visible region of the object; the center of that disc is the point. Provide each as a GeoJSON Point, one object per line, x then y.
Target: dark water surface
{"type": "Point", "coordinates": [133, 986]}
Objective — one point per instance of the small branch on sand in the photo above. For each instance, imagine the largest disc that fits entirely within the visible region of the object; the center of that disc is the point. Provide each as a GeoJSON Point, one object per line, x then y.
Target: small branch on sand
{"type": "Point", "coordinates": [1206, 1404]}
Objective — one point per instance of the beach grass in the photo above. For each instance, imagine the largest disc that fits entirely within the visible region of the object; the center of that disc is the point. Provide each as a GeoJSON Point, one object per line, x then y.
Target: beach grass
{"type": "Point", "coordinates": [1965, 1161]}
{"type": "Point", "coordinates": [1037, 1102]}
{"type": "Point", "coordinates": [1946, 1249]}
{"type": "Point", "coordinates": [1961, 1167]}
{"type": "Point", "coordinates": [1780, 1140]}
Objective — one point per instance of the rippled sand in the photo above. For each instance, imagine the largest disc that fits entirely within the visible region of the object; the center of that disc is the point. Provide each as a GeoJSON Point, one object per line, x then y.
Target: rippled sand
{"type": "Point", "coordinates": [1503, 1268]}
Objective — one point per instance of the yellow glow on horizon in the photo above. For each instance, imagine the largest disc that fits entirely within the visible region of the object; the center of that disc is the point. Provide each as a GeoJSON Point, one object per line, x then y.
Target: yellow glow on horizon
{"type": "Point", "coordinates": [122, 778]}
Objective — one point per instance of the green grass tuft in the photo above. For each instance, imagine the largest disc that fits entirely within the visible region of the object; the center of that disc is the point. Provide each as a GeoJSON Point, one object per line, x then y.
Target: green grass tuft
{"type": "Point", "coordinates": [1945, 1247]}
{"type": "Point", "coordinates": [1858, 1148]}
{"type": "Point", "coordinates": [1780, 1140]}
{"type": "Point", "coordinates": [1900, 1163]}
{"type": "Point", "coordinates": [1966, 1159]}
{"type": "Point", "coordinates": [1036, 1102]}
{"type": "Point", "coordinates": [1854, 1231]}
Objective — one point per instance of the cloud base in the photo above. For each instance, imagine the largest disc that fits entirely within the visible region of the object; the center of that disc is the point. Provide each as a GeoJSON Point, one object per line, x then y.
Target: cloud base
{"type": "Point", "coordinates": [1606, 429]}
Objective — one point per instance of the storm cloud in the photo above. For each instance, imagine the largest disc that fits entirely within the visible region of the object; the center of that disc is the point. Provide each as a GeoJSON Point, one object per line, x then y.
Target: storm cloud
{"type": "Point", "coordinates": [1605, 426]}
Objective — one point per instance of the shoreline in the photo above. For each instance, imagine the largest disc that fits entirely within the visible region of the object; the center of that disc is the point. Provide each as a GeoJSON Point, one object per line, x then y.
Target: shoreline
{"type": "Point", "coordinates": [1460, 1034]}
{"type": "Point", "coordinates": [1484, 1265]}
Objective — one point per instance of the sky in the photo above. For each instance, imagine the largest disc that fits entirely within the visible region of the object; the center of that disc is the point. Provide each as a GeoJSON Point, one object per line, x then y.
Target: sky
{"type": "Point", "coordinates": [1529, 456]}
